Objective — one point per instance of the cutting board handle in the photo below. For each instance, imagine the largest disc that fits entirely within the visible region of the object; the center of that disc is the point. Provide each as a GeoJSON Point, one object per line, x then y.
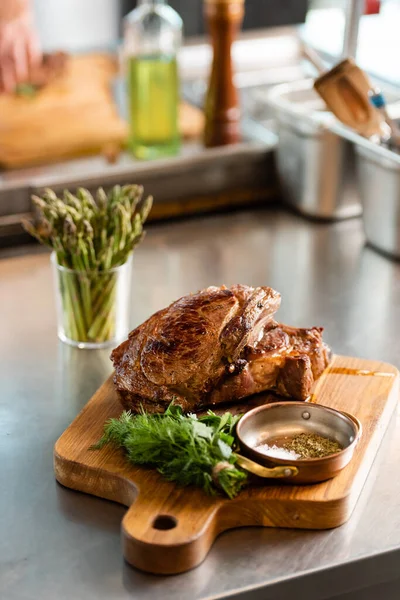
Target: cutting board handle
{"type": "Point", "coordinates": [165, 532]}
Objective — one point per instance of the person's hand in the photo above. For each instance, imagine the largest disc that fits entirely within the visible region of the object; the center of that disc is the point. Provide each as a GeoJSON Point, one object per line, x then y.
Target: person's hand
{"type": "Point", "coordinates": [19, 49]}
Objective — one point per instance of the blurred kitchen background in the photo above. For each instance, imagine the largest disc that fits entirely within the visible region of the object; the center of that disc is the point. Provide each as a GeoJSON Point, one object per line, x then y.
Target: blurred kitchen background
{"type": "Point", "coordinates": [260, 169]}
{"type": "Point", "coordinates": [321, 23]}
{"type": "Point", "coordinates": [100, 20]}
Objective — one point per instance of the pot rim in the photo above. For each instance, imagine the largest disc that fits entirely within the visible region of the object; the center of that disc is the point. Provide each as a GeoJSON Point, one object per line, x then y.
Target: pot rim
{"type": "Point", "coordinates": [302, 462]}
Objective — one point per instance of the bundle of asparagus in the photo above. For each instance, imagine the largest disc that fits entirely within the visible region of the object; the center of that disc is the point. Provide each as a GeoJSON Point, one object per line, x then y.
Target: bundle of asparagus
{"type": "Point", "coordinates": [90, 238]}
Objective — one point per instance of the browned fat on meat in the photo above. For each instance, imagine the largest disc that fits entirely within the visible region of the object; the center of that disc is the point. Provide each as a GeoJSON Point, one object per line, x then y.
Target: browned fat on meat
{"type": "Point", "coordinates": [218, 345]}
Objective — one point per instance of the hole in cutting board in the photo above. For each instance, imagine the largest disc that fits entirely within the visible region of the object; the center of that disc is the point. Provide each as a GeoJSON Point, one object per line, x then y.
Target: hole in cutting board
{"type": "Point", "coordinates": [164, 522]}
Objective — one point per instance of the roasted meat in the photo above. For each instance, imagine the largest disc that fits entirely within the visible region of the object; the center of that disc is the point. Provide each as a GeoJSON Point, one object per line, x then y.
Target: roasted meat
{"type": "Point", "coordinates": [219, 345]}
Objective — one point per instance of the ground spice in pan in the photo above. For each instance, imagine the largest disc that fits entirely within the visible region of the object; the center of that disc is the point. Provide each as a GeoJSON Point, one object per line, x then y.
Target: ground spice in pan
{"type": "Point", "coordinates": [311, 445]}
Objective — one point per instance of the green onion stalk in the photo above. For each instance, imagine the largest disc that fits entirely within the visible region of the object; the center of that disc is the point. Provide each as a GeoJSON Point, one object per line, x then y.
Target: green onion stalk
{"type": "Point", "coordinates": [91, 236]}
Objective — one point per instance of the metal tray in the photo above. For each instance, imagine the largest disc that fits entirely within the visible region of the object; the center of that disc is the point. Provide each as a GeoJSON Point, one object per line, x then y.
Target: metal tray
{"type": "Point", "coordinates": [378, 179]}
{"type": "Point", "coordinates": [316, 165]}
{"type": "Point", "coordinates": [199, 179]}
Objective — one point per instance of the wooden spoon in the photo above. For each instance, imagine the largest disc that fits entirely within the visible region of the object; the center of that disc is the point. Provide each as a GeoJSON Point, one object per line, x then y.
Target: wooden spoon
{"type": "Point", "coordinates": [345, 90]}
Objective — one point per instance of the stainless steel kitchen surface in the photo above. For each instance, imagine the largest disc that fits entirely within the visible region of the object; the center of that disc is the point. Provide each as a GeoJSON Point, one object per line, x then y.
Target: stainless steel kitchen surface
{"type": "Point", "coordinates": [60, 544]}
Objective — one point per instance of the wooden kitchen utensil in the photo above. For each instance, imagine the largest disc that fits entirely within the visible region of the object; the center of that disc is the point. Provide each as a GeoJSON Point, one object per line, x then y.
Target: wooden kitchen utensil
{"type": "Point", "coordinates": [222, 110]}
{"type": "Point", "coordinates": [168, 529]}
{"type": "Point", "coordinates": [345, 91]}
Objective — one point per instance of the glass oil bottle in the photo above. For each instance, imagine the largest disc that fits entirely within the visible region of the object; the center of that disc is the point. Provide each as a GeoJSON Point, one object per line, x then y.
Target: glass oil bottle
{"type": "Point", "coordinates": [152, 38]}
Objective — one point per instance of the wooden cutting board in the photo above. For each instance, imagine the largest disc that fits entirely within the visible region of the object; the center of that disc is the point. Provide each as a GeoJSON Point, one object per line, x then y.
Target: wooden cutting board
{"type": "Point", "coordinates": [74, 115]}
{"type": "Point", "coordinates": [71, 116]}
{"type": "Point", "coordinates": [168, 529]}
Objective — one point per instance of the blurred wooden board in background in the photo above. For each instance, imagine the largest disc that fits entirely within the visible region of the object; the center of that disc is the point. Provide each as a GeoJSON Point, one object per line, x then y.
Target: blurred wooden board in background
{"type": "Point", "coordinates": [74, 115]}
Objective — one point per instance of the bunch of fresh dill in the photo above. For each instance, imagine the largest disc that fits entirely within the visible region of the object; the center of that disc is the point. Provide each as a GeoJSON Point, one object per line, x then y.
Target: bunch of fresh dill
{"type": "Point", "coordinates": [186, 449]}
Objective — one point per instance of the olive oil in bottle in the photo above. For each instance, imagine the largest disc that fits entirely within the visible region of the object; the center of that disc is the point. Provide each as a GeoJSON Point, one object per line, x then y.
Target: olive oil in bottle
{"type": "Point", "coordinates": [153, 34]}
{"type": "Point", "coordinates": [153, 106]}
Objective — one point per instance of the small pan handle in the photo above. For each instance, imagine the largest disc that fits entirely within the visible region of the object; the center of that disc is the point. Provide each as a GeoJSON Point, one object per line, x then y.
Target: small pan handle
{"type": "Point", "coordinates": [274, 473]}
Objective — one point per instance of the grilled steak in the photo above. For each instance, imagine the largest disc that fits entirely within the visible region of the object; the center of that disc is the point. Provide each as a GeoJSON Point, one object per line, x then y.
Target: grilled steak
{"type": "Point", "coordinates": [219, 345]}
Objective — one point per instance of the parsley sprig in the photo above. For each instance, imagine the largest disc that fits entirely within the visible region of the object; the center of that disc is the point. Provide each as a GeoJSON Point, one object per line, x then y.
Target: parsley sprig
{"type": "Point", "coordinates": [185, 449]}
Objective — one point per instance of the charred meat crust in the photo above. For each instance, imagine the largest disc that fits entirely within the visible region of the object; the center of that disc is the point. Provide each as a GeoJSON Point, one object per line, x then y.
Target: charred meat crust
{"type": "Point", "coordinates": [256, 309]}
{"type": "Point", "coordinates": [219, 345]}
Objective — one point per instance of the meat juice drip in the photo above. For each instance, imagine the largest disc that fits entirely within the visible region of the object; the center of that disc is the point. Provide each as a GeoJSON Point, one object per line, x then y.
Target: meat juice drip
{"type": "Point", "coordinates": [362, 372]}
{"type": "Point", "coordinates": [351, 372]}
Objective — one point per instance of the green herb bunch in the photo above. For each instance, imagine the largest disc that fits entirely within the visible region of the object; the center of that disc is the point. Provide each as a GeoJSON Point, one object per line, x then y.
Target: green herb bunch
{"type": "Point", "coordinates": [186, 449]}
{"type": "Point", "coordinates": [91, 236]}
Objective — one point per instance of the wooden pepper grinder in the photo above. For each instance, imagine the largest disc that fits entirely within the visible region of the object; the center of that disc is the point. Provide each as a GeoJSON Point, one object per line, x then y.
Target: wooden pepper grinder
{"type": "Point", "coordinates": [222, 111]}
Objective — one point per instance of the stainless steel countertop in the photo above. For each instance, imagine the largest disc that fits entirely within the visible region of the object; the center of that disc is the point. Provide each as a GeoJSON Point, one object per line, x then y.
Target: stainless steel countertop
{"type": "Point", "coordinates": [57, 544]}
